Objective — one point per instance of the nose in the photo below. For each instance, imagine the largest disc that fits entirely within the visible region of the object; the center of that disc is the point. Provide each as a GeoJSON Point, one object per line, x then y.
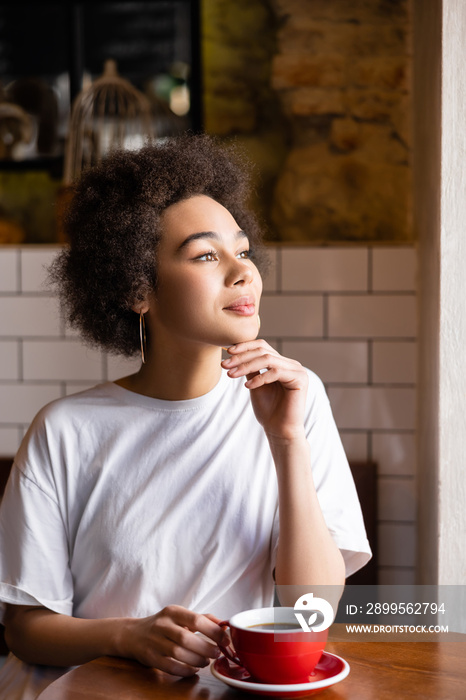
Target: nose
{"type": "Point", "coordinates": [240, 273]}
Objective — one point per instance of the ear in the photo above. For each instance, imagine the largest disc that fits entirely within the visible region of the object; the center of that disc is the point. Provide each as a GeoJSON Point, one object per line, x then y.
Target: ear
{"type": "Point", "coordinates": [141, 308]}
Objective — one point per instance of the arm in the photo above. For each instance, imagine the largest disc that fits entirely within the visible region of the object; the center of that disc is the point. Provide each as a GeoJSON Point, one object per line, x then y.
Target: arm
{"type": "Point", "coordinates": [306, 551]}
{"type": "Point", "coordinates": [166, 641]}
{"type": "Point", "coordinates": [307, 554]}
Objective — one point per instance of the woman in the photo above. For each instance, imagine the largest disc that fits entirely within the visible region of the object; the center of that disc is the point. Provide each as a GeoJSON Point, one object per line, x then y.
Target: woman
{"type": "Point", "coordinates": [143, 510]}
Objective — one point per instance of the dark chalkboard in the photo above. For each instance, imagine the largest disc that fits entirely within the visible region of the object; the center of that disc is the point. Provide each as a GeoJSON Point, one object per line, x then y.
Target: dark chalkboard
{"type": "Point", "coordinates": [146, 38]}
{"type": "Point", "coordinates": [47, 48]}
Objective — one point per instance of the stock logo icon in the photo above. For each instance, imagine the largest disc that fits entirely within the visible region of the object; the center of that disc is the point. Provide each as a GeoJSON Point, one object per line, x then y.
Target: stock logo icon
{"type": "Point", "coordinates": [311, 606]}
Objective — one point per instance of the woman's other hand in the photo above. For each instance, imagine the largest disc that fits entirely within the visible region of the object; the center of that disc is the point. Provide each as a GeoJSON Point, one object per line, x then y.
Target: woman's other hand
{"type": "Point", "coordinates": [169, 640]}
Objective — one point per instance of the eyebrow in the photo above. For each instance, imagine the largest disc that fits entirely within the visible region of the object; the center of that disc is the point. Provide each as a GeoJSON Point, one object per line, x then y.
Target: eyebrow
{"type": "Point", "coordinates": [207, 234]}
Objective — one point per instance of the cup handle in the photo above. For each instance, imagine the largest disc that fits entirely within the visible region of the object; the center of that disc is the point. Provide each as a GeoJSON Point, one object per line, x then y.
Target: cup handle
{"type": "Point", "coordinates": [228, 651]}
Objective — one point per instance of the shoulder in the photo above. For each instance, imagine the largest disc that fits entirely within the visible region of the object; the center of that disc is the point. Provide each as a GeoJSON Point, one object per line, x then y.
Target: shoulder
{"type": "Point", "coordinates": [316, 385]}
{"type": "Point", "coordinates": [53, 425]}
{"type": "Point", "coordinates": [317, 401]}
{"type": "Point", "coordinates": [73, 406]}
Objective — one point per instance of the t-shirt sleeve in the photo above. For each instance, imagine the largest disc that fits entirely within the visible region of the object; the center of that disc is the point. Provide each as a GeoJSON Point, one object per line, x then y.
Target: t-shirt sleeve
{"type": "Point", "coordinates": [34, 557]}
{"type": "Point", "coordinates": [333, 480]}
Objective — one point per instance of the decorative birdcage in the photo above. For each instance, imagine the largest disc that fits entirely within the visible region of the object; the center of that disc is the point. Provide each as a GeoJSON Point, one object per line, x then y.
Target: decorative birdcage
{"type": "Point", "coordinates": [16, 126]}
{"type": "Point", "coordinates": [109, 114]}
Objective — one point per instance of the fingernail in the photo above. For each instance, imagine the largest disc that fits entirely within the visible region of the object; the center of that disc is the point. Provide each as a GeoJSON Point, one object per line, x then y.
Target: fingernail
{"type": "Point", "coordinates": [217, 652]}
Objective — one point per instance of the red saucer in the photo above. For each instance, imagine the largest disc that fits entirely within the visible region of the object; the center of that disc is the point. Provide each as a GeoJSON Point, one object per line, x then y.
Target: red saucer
{"type": "Point", "coordinates": [331, 669]}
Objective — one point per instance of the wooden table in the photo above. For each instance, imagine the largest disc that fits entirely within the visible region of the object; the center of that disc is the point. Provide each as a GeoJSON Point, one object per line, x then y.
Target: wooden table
{"type": "Point", "coordinates": [379, 671]}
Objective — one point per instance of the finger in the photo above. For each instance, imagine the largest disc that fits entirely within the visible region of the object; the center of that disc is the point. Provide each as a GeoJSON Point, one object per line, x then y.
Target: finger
{"type": "Point", "coordinates": [211, 629]}
{"type": "Point", "coordinates": [172, 666]}
{"type": "Point", "coordinates": [196, 622]}
{"type": "Point", "coordinates": [198, 643]}
{"type": "Point", "coordinates": [293, 380]}
{"type": "Point", "coordinates": [182, 650]}
{"type": "Point", "coordinates": [265, 361]}
{"type": "Point", "coordinates": [239, 358]}
{"type": "Point", "coordinates": [186, 646]}
{"type": "Point", "coordinates": [249, 345]}
{"type": "Point", "coordinates": [213, 618]}
{"type": "Point", "coordinates": [217, 621]}
{"type": "Point", "coordinates": [251, 375]}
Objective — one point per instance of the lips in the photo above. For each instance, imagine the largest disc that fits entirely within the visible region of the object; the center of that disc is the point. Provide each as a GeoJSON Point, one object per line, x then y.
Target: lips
{"type": "Point", "coordinates": [244, 306]}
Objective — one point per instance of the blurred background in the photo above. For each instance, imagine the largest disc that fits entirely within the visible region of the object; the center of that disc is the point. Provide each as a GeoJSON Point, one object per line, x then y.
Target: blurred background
{"type": "Point", "coordinates": [341, 106]}
{"type": "Point", "coordinates": [319, 97]}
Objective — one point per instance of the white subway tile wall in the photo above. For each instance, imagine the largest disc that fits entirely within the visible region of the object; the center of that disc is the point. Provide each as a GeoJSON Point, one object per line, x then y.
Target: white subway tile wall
{"type": "Point", "coordinates": [333, 361]}
{"type": "Point", "coordinates": [291, 315]}
{"type": "Point", "coordinates": [60, 360]}
{"type": "Point", "coordinates": [349, 314]}
{"type": "Point", "coordinates": [76, 387]}
{"type": "Point", "coordinates": [372, 315]}
{"type": "Point", "coordinates": [394, 362]}
{"type": "Point", "coordinates": [121, 366]}
{"type": "Point", "coordinates": [394, 269]}
{"type": "Point", "coordinates": [373, 407]}
{"type": "Point", "coordinates": [21, 401]}
{"type": "Point", "coordinates": [324, 270]}
{"type": "Point", "coordinates": [34, 262]}
{"type": "Point", "coordinates": [9, 359]}
{"type": "Point", "coordinates": [395, 453]}
{"type": "Point", "coordinates": [9, 439]}
{"type": "Point", "coordinates": [271, 282]}
{"type": "Point", "coordinates": [9, 261]}
{"type": "Point", "coordinates": [397, 499]}
{"type": "Point", "coordinates": [26, 315]}
{"type": "Point", "coordinates": [356, 444]}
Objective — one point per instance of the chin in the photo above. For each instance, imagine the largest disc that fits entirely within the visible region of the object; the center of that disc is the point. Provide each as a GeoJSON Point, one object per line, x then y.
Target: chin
{"type": "Point", "coordinates": [235, 338]}
{"type": "Point", "coordinates": [240, 331]}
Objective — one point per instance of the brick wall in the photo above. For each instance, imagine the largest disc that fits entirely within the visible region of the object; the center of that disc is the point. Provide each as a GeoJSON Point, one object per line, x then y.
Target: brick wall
{"type": "Point", "coordinates": [322, 105]}
{"type": "Point", "coordinates": [347, 313]}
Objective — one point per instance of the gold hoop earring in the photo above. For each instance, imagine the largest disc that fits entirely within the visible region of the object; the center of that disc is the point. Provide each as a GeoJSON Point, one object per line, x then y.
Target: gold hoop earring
{"type": "Point", "coordinates": [258, 322]}
{"type": "Point", "coordinates": [142, 337]}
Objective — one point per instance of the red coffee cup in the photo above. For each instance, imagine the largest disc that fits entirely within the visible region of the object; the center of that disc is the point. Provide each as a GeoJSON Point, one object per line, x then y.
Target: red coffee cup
{"type": "Point", "coordinates": [271, 645]}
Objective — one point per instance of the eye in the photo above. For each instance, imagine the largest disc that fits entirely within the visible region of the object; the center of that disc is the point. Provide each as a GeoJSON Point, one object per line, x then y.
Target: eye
{"type": "Point", "coordinates": [245, 254]}
{"type": "Point", "coordinates": [210, 256]}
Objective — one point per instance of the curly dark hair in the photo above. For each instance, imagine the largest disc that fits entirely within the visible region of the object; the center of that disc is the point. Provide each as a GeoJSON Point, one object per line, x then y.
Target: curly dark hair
{"type": "Point", "coordinates": [112, 224]}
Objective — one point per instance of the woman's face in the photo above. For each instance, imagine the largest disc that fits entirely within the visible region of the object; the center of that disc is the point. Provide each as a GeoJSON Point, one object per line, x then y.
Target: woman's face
{"type": "Point", "coordinates": [208, 289]}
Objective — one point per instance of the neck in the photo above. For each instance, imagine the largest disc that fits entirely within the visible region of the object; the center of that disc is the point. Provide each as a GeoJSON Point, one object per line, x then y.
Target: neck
{"type": "Point", "coordinates": [176, 374]}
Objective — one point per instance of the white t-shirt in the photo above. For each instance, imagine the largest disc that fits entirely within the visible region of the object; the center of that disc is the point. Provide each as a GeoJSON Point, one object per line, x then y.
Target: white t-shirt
{"type": "Point", "coordinates": [119, 504]}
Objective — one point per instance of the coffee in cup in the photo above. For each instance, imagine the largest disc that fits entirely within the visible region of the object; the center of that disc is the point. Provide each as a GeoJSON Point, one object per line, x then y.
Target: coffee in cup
{"type": "Point", "coordinates": [271, 645]}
